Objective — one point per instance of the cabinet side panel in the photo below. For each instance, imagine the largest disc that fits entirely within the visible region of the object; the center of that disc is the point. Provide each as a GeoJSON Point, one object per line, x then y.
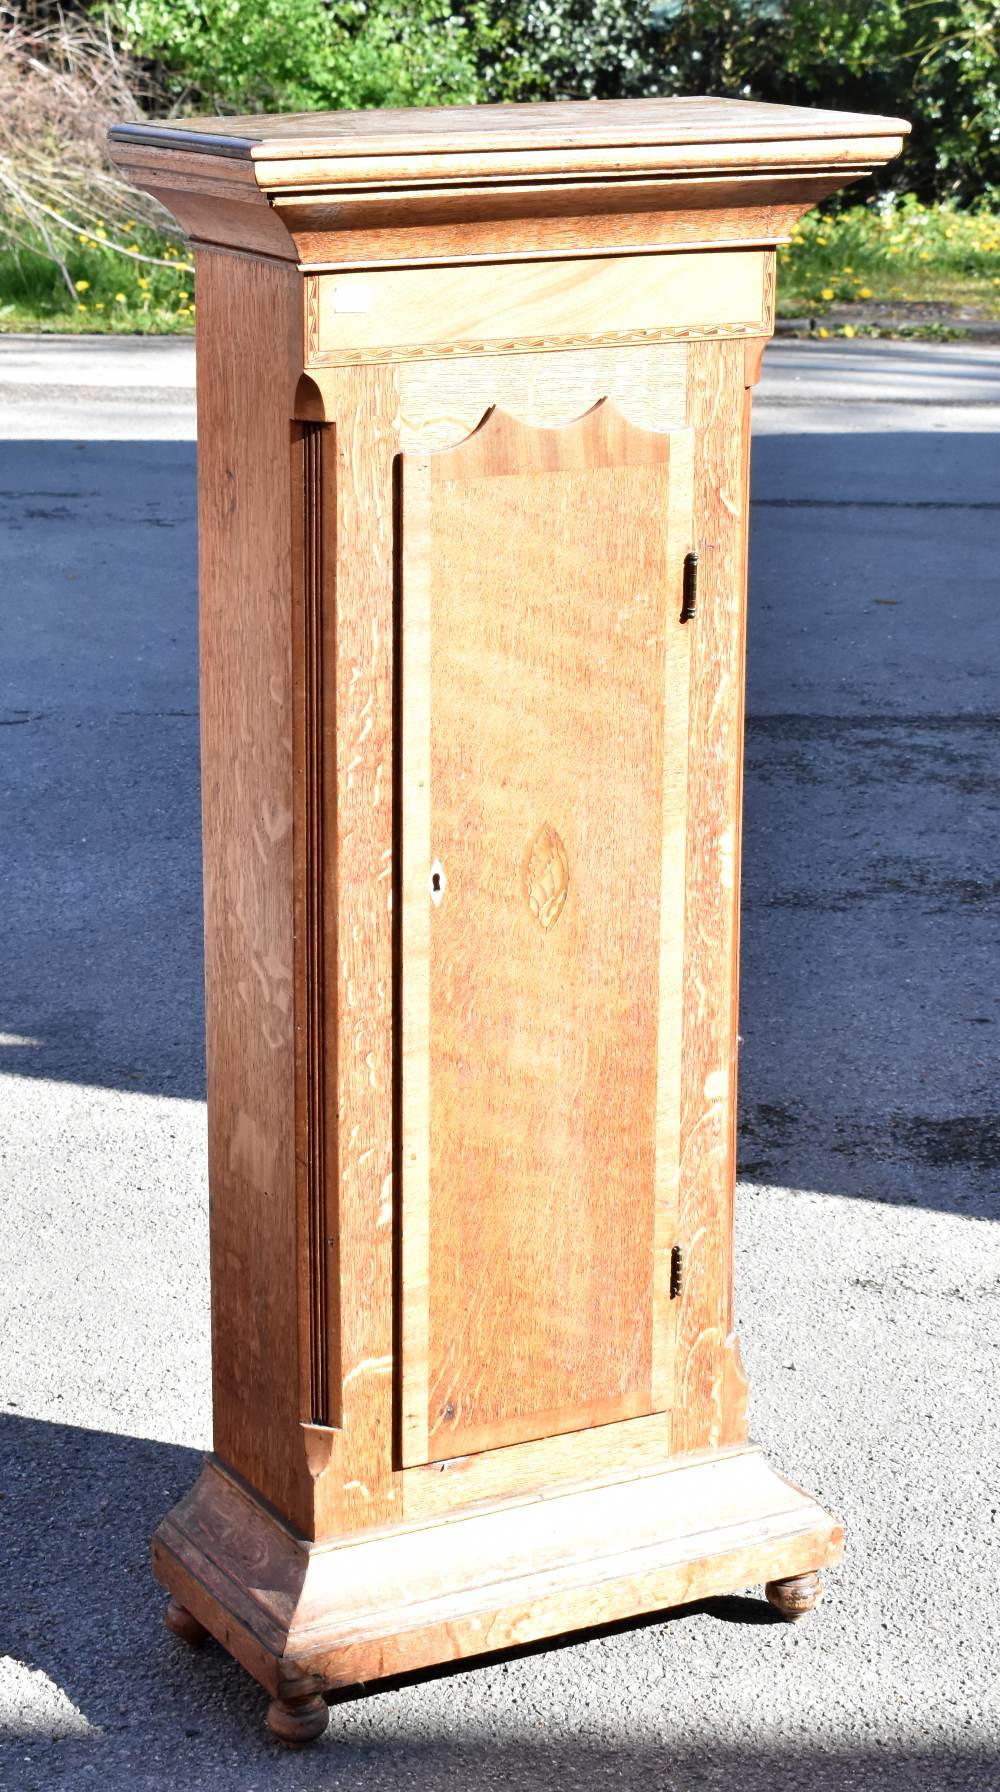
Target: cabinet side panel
{"type": "Point", "coordinates": [248, 317]}
{"type": "Point", "coordinates": [720, 416]}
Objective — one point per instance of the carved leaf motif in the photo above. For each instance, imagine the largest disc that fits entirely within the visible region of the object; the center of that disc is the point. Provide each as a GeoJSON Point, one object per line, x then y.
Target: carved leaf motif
{"type": "Point", "coordinates": [546, 876]}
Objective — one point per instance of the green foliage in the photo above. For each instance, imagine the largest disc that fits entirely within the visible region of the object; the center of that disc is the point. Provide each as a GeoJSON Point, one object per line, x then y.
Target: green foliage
{"type": "Point", "coordinates": [936, 62]}
{"type": "Point", "coordinates": [897, 251]}
{"type": "Point", "coordinates": [306, 55]}
{"type": "Point", "coordinates": [610, 49]}
{"type": "Point", "coordinates": [148, 289]}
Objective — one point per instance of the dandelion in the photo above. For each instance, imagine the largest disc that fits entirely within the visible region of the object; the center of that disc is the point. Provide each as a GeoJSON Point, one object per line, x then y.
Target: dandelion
{"type": "Point", "coordinates": [132, 249]}
{"type": "Point", "coordinates": [182, 295]}
{"type": "Point", "coordinates": [82, 285]}
{"type": "Point", "coordinates": [847, 268]}
{"type": "Point", "coordinates": [81, 307]}
{"type": "Point", "coordinates": [864, 292]}
{"type": "Point", "coordinates": [99, 306]}
{"type": "Point", "coordinates": [848, 330]}
{"type": "Point", "coordinates": [119, 298]}
{"type": "Point", "coordinates": [822, 332]}
{"type": "Point", "coordinates": [827, 292]}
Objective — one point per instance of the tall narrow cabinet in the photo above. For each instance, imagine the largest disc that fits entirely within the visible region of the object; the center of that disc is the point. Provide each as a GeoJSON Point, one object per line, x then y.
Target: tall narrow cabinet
{"type": "Point", "coordinates": [473, 414]}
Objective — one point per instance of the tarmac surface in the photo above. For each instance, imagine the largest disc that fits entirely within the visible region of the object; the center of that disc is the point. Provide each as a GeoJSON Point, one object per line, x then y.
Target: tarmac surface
{"type": "Point", "coordinates": [868, 1267]}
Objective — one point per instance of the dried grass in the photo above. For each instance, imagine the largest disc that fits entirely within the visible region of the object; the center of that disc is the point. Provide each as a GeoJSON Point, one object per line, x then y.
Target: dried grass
{"type": "Point", "coordinates": [62, 83]}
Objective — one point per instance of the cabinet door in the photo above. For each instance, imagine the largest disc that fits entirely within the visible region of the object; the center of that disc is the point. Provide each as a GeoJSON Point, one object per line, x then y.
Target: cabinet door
{"type": "Point", "coordinates": [542, 724]}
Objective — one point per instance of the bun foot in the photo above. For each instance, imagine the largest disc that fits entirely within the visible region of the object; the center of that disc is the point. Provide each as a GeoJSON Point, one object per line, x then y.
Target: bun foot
{"type": "Point", "coordinates": [184, 1624]}
{"type": "Point", "coordinates": [795, 1597]}
{"type": "Point", "coordinates": [297, 1721]}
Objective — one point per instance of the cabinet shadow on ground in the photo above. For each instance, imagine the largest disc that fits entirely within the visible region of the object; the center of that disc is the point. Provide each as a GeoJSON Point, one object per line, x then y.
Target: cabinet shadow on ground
{"type": "Point", "coordinates": [81, 1607]}
{"type": "Point", "coordinates": [869, 996]}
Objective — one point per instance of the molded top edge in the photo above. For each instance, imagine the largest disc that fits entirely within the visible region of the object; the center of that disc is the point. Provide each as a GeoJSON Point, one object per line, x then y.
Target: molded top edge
{"type": "Point", "coordinates": [569, 124]}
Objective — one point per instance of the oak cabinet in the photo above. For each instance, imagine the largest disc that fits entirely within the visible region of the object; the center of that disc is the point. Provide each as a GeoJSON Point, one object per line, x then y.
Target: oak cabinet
{"type": "Point", "coordinates": [473, 394]}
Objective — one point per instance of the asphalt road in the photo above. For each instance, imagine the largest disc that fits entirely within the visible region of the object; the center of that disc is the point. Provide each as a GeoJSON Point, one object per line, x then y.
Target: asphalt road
{"type": "Point", "coordinates": [868, 1267]}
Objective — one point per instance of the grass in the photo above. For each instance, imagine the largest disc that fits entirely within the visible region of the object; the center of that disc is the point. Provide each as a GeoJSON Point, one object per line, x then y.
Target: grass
{"type": "Point", "coordinates": [147, 290]}
{"type": "Point", "coordinates": [901, 254]}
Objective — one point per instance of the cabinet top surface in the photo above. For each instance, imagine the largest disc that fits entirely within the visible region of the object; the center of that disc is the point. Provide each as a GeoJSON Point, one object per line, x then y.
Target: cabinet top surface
{"type": "Point", "coordinates": [493, 130]}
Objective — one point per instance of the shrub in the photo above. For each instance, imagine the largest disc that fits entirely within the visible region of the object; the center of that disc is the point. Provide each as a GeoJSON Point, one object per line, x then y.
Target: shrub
{"type": "Point", "coordinates": [936, 62]}
{"type": "Point", "coordinates": [302, 55]}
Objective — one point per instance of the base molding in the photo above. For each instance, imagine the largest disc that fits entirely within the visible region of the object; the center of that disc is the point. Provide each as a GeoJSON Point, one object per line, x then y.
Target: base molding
{"type": "Point", "coordinates": [304, 1618]}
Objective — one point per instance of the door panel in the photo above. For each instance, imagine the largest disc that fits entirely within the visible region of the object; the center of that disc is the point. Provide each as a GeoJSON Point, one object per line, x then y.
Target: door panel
{"type": "Point", "coordinates": [543, 692]}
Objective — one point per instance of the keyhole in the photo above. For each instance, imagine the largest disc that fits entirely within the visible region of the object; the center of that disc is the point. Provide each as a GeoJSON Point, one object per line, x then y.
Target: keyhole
{"type": "Point", "coordinates": [436, 882]}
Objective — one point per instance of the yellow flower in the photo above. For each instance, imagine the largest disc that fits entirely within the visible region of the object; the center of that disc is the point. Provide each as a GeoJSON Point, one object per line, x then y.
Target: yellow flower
{"type": "Point", "coordinates": [182, 295]}
{"type": "Point", "coordinates": [864, 292]}
{"type": "Point", "coordinates": [143, 280]}
{"type": "Point", "coordinates": [822, 332]}
{"type": "Point", "coordinates": [848, 330]}
{"type": "Point", "coordinates": [82, 285]}
{"type": "Point", "coordinates": [81, 307]}
{"type": "Point", "coordinates": [99, 306]}
{"type": "Point", "coordinates": [119, 298]}
{"type": "Point", "coordinates": [827, 292]}
{"type": "Point", "coordinates": [847, 268]}
{"type": "Point", "coordinates": [132, 249]}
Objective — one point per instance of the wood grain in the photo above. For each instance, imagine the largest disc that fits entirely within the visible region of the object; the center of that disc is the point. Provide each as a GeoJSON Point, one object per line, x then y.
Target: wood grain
{"type": "Point", "coordinates": [302, 1618]}
{"type": "Point", "coordinates": [248, 343]}
{"type": "Point", "coordinates": [461, 221]}
{"type": "Point", "coordinates": [719, 413]}
{"type": "Point", "coordinates": [362, 996]}
{"type": "Point", "coordinates": [391, 314]}
{"type": "Point", "coordinates": [611, 1452]}
{"type": "Point", "coordinates": [680, 538]}
{"type": "Point", "coordinates": [440, 402]}
{"type": "Point", "coordinates": [456, 185]}
{"type": "Point", "coordinates": [599, 124]}
{"type": "Point", "coordinates": [532, 1158]}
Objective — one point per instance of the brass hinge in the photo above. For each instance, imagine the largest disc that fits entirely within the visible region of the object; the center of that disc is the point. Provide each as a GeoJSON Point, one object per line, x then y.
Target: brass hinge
{"type": "Point", "coordinates": [676, 1271]}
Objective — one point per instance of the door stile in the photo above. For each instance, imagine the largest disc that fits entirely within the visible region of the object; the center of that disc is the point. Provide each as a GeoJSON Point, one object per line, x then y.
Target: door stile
{"type": "Point", "coordinates": [676, 682]}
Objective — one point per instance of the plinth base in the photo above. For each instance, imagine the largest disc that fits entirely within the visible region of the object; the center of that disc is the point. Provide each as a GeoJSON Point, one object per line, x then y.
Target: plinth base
{"type": "Point", "coordinates": [307, 1617]}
